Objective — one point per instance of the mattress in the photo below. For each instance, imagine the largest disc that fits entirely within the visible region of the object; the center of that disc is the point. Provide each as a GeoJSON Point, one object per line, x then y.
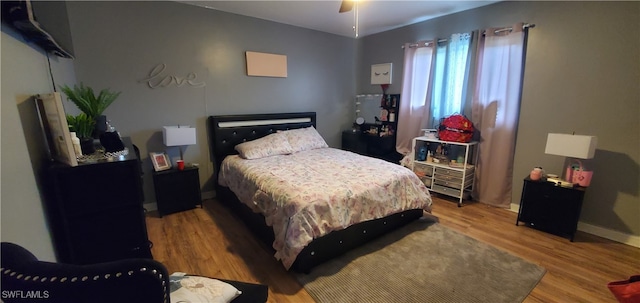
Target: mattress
{"type": "Point", "coordinates": [308, 194]}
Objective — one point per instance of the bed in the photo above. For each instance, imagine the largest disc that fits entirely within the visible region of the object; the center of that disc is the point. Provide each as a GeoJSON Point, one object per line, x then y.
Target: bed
{"type": "Point", "coordinates": [290, 188]}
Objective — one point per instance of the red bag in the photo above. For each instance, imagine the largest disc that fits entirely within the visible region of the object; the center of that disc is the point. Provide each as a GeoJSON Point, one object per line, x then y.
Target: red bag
{"type": "Point", "coordinates": [456, 128]}
{"type": "Point", "coordinates": [626, 291]}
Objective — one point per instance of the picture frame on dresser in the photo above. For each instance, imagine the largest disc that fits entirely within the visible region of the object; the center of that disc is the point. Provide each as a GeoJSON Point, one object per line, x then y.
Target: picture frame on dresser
{"type": "Point", "coordinates": [160, 161]}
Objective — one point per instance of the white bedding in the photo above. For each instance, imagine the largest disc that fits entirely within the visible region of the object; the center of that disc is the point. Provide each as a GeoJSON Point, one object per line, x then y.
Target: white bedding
{"type": "Point", "coordinates": [308, 194]}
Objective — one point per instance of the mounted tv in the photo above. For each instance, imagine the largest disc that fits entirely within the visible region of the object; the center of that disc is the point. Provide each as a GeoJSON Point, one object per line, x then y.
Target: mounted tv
{"type": "Point", "coordinates": [44, 23]}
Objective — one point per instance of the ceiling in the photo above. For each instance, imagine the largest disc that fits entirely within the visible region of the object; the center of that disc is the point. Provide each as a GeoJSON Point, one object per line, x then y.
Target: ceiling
{"type": "Point", "coordinates": [374, 16]}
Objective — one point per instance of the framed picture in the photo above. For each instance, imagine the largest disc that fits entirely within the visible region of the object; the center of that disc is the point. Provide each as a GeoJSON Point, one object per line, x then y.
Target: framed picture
{"type": "Point", "coordinates": [160, 161]}
{"type": "Point", "coordinates": [54, 124]}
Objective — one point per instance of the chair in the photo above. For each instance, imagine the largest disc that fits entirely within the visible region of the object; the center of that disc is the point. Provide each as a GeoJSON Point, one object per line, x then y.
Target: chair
{"type": "Point", "coordinates": [26, 279]}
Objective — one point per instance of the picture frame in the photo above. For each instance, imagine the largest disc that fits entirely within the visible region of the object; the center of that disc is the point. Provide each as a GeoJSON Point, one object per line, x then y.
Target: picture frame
{"type": "Point", "coordinates": [160, 161]}
{"type": "Point", "coordinates": [53, 121]}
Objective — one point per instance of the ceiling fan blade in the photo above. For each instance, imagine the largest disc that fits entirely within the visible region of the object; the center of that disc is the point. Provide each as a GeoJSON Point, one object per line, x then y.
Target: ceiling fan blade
{"type": "Point", "coordinates": [346, 6]}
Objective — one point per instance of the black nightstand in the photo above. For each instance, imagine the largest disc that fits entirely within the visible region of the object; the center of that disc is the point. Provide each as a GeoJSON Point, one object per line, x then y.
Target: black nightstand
{"type": "Point", "coordinates": [177, 190]}
{"type": "Point", "coordinates": [551, 208]}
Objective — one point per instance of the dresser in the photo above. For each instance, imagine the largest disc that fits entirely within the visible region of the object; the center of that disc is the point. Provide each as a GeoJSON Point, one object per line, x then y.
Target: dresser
{"type": "Point", "coordinates": [371, 145]}
{"type": "Point", "coordinates": [551, 208]}
{"type": "Point", "coordinates": [95, 210]}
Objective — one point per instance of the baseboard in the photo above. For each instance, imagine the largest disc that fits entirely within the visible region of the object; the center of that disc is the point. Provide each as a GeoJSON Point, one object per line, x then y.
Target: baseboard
{"type": "Point", "coordinates": [150, 206]}
{"type": "Point", "coordinates": [205, 196]}
{"type": "Point", "coordinates": [606, 233]}
{"type": "Point", "coordinates": [610, 234]}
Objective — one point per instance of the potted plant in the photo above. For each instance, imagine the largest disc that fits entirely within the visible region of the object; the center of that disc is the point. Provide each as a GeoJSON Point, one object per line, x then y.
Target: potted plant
{"type": "Point", "coordinates": [83, 126]}
{"type": "Point", "coordinates": [90, 104]}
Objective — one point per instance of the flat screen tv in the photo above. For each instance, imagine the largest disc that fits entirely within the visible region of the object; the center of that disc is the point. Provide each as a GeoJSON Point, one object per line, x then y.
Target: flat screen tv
{"type": "Point", "coordinates": [44, 23]}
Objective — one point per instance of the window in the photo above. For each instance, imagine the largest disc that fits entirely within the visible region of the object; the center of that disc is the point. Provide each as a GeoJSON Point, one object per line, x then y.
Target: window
{"type": "Point", "coordinates": [451, 72]}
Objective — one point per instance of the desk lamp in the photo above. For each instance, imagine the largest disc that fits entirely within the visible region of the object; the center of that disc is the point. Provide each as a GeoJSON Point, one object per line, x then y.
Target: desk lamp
{"type": "Point", "coordinates": [178, 136]}
{"type": "Point", "coordinates": [572, 146]}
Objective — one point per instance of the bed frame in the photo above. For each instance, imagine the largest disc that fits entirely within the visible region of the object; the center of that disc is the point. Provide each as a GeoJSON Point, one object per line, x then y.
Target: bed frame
{"type": "Point", "coordinates": [225, 132]}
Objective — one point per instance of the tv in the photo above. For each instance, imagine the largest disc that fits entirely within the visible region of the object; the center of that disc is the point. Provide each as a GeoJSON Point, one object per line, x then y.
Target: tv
{"type": "Point", "coordinates": [44, 23]}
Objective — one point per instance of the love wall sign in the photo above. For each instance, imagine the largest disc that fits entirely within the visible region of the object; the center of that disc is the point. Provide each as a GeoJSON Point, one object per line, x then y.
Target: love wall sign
{"type": "Point", "coordinates": [156, 78]}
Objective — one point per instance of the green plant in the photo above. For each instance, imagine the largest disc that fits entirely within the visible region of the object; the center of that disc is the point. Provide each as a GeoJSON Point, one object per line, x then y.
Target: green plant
{"type": "Point", "coordinates": [85, 99]}
{"type": "Point", "coordinates": [81, 124]}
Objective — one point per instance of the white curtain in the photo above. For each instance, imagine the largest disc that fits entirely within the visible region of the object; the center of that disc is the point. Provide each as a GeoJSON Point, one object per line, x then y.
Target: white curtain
{"type": "Point", "coordinates": [495, 111]}
{"type": "Point", "coordinates": [450, 77]}
{"type": "Point", "coordinates": [414, 108]}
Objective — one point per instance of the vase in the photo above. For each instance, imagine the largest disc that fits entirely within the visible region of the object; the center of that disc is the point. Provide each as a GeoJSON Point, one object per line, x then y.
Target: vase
{"type": "Point", "coordinates": [86, 144]}
{"type": "Point", "coordinates": [100, 127]}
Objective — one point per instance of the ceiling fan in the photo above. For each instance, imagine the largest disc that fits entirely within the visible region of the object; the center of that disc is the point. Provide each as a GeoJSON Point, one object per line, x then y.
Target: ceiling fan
{"type": "Point", "coordinates": [346, 6]}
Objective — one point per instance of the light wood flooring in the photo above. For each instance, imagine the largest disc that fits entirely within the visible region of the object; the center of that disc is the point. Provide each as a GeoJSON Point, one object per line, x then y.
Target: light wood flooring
{"type": "Point", "coordinates": [210, 241]}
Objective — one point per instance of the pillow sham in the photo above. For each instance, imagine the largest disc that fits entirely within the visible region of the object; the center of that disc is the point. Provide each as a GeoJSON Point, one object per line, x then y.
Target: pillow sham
{"type": "Point", "coordinates": [302, 139]}
{"type": "Point", "coordinates": [270, 145]}
{"type": "Point", "coordinates": [201, 289]}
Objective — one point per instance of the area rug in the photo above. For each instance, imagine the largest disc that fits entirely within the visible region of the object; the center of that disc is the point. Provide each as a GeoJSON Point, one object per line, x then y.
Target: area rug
{"type": "Point", "coordinates": [423, 262]}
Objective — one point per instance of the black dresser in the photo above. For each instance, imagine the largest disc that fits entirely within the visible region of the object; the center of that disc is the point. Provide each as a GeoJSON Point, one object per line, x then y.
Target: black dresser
{"type": "Point", "coordinates": [551, 208]}
{"type": "Point", "coordinates": [371, 145]}
{"type": "Point", "coordinates": [95, 212]}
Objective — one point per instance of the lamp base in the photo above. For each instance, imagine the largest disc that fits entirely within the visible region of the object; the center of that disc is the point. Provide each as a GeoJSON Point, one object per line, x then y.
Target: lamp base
{"type": "Point", "coordinates": [559, 182]}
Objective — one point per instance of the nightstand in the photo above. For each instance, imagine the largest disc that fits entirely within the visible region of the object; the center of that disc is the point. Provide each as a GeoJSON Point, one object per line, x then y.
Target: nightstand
{"type": "Point", "coordinates": [551, 208]}
{"type": "Point", "coordinates": [177, 190]}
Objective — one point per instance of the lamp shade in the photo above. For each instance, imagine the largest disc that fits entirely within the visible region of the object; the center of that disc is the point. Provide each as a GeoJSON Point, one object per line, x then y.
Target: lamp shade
{"type": "Point", "coordinates": [178, 135]}
{"type": "Point", "coordinates": [575, 146]}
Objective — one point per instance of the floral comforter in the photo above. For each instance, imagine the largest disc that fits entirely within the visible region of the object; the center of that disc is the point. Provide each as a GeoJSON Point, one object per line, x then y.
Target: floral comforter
{"type": "Point", "coordinates": [308, 194]}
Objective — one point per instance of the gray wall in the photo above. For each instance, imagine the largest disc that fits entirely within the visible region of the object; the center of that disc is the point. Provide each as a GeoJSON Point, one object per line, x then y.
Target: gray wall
{"type": "Point", "coordinates": [25, 72]}
{"type": "Point", "coordinates": [582, 75]}
{"type": "Point", "coordinates": [118, 43]}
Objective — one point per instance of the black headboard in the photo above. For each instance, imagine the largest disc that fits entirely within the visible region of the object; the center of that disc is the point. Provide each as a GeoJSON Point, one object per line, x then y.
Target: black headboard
{"type": "Point", "coordinates": [225, 132]}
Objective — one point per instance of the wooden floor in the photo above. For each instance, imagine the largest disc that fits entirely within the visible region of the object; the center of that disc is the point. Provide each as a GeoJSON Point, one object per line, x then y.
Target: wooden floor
{"type": "Point", "coordinates": [209, 241]}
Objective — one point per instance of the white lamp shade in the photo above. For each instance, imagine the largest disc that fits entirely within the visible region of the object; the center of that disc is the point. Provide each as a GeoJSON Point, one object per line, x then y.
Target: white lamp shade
{"type": "Point", "coordinates": [178, 135]}
{"type": "Point", "coordinates": [575, 146]}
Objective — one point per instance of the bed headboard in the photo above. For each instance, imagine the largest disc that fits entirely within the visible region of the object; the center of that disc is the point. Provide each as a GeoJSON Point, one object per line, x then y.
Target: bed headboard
{"type": "Point", "coordinates": [225, 132]}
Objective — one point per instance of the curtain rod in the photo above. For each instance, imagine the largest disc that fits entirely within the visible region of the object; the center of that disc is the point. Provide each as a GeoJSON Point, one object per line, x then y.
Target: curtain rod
{"type": "Point", "coordinates": [504, 29]}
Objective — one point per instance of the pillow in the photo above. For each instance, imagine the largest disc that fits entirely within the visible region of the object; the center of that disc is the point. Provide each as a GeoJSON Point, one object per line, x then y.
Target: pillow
{"type": "Point", "coordinates": [302, 139]}
{"type": "Point", "coordinates": [201, 289]}
{"type": "Point", "coordinates": [270, 145]}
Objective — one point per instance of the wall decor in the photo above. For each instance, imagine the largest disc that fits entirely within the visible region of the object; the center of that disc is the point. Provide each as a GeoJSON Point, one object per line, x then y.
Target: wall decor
{"type": "Point", "coordinates": [54, 123]}
{"type": "Point", "coordinates": [381, 73]}
{"type": "Point", "coordinates": [266, 65]}
{"type": "Point", "coordinates": [155, 79]}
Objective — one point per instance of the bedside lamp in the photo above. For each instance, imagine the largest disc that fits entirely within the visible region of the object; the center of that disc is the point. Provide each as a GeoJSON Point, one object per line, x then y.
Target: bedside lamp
{"type": "Point", "coordinates": [178, 136]}
{"type": "Point", "coordinates": [574, 147]}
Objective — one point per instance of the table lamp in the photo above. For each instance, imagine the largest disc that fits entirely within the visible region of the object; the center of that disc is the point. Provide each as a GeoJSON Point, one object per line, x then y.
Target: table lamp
{"type": "Point", "coordinates": [178, 136]}
{"type": "Point", "coordinates": [574, 147]}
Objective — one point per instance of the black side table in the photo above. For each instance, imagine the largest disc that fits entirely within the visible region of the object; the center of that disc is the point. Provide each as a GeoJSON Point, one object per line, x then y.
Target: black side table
{"type": "Point", "coordinates": [551, 208]}
{"type": "Point", "coordinates": [177, 190]}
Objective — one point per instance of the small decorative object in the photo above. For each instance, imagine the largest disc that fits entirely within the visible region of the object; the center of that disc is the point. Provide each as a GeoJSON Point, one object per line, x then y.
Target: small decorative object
{"type": "Point", "coordinates": [90, 104]}
{"type": "Point", "coordinates": [76, 144]}
{"type": "Point", "coordinates": [180, 164]}
{"type": "Point", "coordinates": [536, 174]}
{"type": "Point", "coordinates": [111, 140]}
{"type": "Point", "coordinates": [422, 153]}
{"type": "Point", "coordinates": [160, 161]}
{"type": "Point", "coordinates": [83, 126]}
